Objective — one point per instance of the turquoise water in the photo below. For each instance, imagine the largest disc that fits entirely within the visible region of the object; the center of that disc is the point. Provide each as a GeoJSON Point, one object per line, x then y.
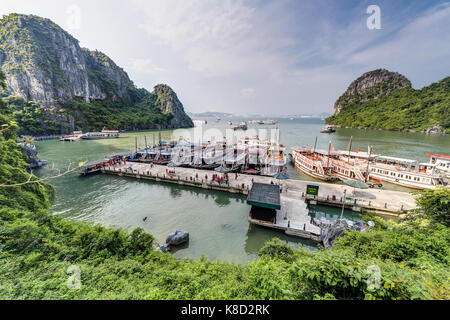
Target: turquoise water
{"type": "Point", "coordinates": [217, 222]}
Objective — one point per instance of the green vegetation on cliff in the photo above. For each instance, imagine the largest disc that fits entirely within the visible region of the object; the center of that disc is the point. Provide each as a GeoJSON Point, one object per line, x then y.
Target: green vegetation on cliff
{"type": "Point", "coordinates": [55, 86]}
{"type": "Point", "coordinates": [38, 250]}
{"type": "Point", "coordinates": [403, 109]}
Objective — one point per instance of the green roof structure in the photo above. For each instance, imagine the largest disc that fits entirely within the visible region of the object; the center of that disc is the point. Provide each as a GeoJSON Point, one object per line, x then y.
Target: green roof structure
{"type": "Point", "coordinates": [265, 196]}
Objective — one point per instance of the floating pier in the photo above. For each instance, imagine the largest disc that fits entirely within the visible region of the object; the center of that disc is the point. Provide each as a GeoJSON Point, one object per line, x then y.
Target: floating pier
{"type": "Point", "coordinates": [386, 202]}
{"type": "Point", "coordinates": [292, 215]}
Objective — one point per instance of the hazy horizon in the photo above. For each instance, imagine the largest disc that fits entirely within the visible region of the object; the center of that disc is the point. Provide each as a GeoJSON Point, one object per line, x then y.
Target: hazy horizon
{"type": "Point", "coordinates": [257, 57]}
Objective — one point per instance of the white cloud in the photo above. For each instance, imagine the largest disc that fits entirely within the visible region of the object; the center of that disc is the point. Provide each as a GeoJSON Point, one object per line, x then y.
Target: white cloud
{"type": "Point", "coordinates": [248, 92]}
{"type": "Point", "coordinates": [421, 41]}
{"type": "Point", "coordinates": [216, 38]}
{"type": "Point", "coordinates": [144, 66]}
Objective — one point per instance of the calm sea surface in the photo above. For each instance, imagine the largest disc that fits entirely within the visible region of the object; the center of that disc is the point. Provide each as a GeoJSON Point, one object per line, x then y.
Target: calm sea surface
{"type": "Point", "coordinates": [217, 222]}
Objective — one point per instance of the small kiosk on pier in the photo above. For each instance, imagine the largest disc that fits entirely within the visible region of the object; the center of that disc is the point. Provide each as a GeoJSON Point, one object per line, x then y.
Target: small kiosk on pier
{"type": "Point", "coordinates": [265, 201]}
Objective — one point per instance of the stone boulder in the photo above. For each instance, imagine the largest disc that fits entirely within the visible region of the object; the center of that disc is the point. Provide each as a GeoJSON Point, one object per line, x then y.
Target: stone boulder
{"type": "Point", "coordinates": [331, 230]}
{"type": "Point", "coordinates": [178, 237]}
{"type": "Point", "coordinates": [436, 129]}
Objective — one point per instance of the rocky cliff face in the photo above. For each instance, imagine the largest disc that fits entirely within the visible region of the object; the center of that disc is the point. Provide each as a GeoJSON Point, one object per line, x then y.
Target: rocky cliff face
{"type": "Point", "coordinates": [167, 101]}
{"type": "Point", "coordinates": [372, 85]}
{"type": "Point", "coordinates": [45, 64]}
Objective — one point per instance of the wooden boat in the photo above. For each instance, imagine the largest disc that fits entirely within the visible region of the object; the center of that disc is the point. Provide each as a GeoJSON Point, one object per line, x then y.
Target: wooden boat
{"type": "Point", "coordinates": [104, 134]}
{"type": "Point", "coordinates": [314, 163]}
{"type": "Point", "coordinates": [72, 137]}
{"type": "Point", "coordinates": [328, 129]}
{"type": "Point", "coordinates": [241, 126]}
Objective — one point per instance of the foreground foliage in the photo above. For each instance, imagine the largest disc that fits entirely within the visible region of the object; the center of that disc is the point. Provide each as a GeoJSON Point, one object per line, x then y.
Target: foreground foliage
{"type": "Point", "coordinates": [38, 252]}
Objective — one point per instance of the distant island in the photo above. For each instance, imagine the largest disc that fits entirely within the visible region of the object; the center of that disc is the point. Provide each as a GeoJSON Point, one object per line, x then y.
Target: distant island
{"type": "Point", "coordinates": [223, 115]}
{"type": "Point", "coordinates": [210, 114]}
{"type": "Point", "coordinates": [54, 86]}
{"type": "Point", "coordinates": [381, 99]}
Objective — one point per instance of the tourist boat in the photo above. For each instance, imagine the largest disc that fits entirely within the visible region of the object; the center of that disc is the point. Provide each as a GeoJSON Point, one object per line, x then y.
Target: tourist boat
{"type": "Point", "coordinates": [104, 134]}
{"type": "Point", "coordinates": [315, 163]}
{"type": "Point", "coordinates": [254, 163]}
{"type": "Point", "coordinates": [328, 129]}
{"type": "Point", "coordinates": [72, 137]}
{"type": "Point", "coordinates": [163, 157]}
{"type": "Point", "coordinates": [241, 126]}
{"type": "Point", "coordinates": [182, 154]}
{"type": "Point", "coordinates": [274, 160]}
{"type": "Point", "coordinates": [92, 168]}
{"type": "Point", "coordinates": [407, 173]}
{"type": "Point", "coordinates": [351, 165]}
{"type": "Point", "coordinates": [212, 156]}
{"type": "Point", "coordinates": [442, 163]}
{"type": "Point", "coordinates": [198, 123]}
{"type": "Point", "coordinates": [270, 122]}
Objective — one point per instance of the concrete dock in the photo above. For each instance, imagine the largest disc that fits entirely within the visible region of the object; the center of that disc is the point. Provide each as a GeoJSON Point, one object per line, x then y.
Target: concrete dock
{"type": "Point", "coordinates": [378, 200]}
{"type": "Point", "coordinates": [293, 217]}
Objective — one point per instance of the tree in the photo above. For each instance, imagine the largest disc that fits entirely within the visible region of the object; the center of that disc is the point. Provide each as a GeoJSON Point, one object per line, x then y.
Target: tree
{"type": "Point", "coordinates": [435, 204]}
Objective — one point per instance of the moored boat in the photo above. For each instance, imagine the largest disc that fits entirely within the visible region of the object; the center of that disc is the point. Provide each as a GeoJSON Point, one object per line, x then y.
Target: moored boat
{"type": "Point", "coordinates": [315, 163]}
{"type": "Point", "coordinates": [104, 134]}
{"type": "Point", "coordinates": [328, 129]}
{"type": "Point", "coordinates": [407, 173]}
{"type": "Point", "coordinates": [442, 163]}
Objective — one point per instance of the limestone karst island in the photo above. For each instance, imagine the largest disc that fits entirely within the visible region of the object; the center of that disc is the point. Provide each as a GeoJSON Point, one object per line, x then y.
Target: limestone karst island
{"type": "Point", "coordinates": [239, 152]}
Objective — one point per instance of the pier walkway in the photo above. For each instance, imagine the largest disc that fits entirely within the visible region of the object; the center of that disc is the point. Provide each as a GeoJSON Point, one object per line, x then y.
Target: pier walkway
{"type": "Point", "coordinates": [381, 201]}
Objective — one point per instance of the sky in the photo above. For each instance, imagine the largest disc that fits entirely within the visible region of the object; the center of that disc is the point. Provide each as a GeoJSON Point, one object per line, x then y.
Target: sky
{"type": "Point", "coordinates": [261, 57]}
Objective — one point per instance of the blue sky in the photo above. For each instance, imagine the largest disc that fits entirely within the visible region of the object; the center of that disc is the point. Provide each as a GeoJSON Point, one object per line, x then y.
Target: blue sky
{"type": "Point", "coordinates": [257, 57]}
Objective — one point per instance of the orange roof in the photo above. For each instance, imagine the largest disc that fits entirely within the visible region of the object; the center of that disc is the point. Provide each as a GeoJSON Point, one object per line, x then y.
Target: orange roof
{"type": "Point", "coordinates": [441, 156]}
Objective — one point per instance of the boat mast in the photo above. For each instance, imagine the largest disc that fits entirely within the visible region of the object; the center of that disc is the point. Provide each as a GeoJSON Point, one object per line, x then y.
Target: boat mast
{"type": "Point", "coordinates": [350, 147]}
{"type": "Point", "coordinates": [328, 158]}
{"type": "Point", "coordinates": [343, 203]}
{"type": "Point", "coordinates": [368, 163]}
{"type": "Point", "coordinates": [315, 145]}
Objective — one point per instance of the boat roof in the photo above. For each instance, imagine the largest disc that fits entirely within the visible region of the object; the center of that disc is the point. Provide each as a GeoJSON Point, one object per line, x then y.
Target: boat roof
{"type": "Point", "coordinates": [394, 159]}
{"type": "Point", "coordinates": [440, 156]}
{"type": "Point", "coordinates": [427, 164]}
{"type": "Point", "coordinates": [360, 154]}
{"type": "Point", "coordinates": [264, 195]}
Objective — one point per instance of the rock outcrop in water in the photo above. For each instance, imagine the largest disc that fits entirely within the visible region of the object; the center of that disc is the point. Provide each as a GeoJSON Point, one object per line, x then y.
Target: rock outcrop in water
{"type": "Point", "coordinates": [331, 230]}
{"type": "Point", "coordinates": [385, 100]}
{"type": "Point", "coordinates": [372, 85]}
{"type": "Point", "coordinates": [46, 65]}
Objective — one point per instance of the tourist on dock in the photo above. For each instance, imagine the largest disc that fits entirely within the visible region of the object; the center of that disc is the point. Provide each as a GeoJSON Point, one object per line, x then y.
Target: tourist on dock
{"type": "Point", "coordinates": [196, 176]}
{"type": "Point", "coordinates": [253, 180]}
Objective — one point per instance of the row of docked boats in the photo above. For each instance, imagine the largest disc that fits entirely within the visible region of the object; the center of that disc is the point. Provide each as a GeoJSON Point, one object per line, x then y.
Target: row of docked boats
{"type": "Point", "coordinates": [333, 165]}
{"type": "Point", "coordinates": [104, 134]}
{"type": "Point", "coordinates": [249, 155]}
